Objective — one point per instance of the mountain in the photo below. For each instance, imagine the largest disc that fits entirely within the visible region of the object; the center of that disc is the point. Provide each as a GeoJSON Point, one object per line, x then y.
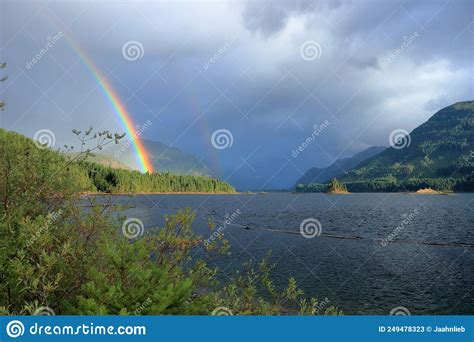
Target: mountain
{"type": "Point", "coordinates": [440, 148]}
{"type": "Point", "coordinates": [164, 158]}
{"type": "Point", "coordinates": [107, 160]}
{"type": "Point", "coordinates": [338, 168]}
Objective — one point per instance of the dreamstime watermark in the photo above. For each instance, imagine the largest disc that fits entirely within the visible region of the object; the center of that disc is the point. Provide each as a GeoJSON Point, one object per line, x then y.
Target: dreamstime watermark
{"type": "Point", "coordinates": [222, 311]}
{"type": "Point", "coordinates": [407, 219]}
{"type": "Point", "coordinates": [133, 228]}
{"type": "Point", "coordinates": [142, 307]}
{"type": "Point", "coordinates": [44, 311]}
{"type": "Point", "coordinates": [407, 41]}
{"type": "Point", "coordinates": [52, 217]}
{"type": "Point", "coordinates": [51, 41]}
{"type": "Point", "coordinates": [219, 231]}
{"type": "Point", "coordinates": [132, 50]}
{"type": "Point", "coordinates": [15, 329]}
{"type": "Point", "coordinates": [221, 51]}
{"type": "Point", "coordinates": [399, 139]}
{"type": "Point", "coordinates": [400, 311]}
{"type": "Point", "coordinates": [222, 139]}
{"type": "Point", "coordinates": [320, 306]}
{"type": "Point", "coordinates": [310, 50]}
{"type": "Point", "coordinates": [317, 130]}
{"type": "Point", "coordinates": [44, 138]}
{"type": "Point", "coordinates": [310, 228]}
{"type": "Point", "coordinates": [139, 129]}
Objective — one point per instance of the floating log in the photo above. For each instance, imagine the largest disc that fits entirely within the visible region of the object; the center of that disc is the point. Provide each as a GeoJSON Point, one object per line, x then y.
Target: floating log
{"type": "Point", "coordinates": [348, 237]}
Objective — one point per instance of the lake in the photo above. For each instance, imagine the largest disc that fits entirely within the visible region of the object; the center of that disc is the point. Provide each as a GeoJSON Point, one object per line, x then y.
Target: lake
{"type": "Point", "coordinates": [386, 263]}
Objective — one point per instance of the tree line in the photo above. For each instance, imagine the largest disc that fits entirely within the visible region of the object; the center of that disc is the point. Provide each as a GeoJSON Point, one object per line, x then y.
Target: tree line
{"type": "Point", "coordinates": [391, 184]}
{"type": "Point", "coordinates": [111, 180]}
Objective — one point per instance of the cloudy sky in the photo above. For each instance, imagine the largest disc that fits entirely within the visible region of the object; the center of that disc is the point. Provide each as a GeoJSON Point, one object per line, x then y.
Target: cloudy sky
{"type": "Point", "coordinates": [265, 71]}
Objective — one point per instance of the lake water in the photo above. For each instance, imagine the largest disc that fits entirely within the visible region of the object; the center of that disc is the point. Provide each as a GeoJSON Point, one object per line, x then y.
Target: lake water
{"type": "Point", "coordinates": [360, 276]}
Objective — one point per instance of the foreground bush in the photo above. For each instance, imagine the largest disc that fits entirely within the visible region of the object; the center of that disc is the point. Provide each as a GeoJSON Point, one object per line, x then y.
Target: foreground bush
{"type": "Point", "coordinates": [68, 254]}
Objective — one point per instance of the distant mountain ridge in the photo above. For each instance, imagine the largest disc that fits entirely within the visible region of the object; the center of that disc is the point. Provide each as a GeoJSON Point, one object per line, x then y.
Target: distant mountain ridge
{"type": "Point", "coordinates": [107, 160]}
{"type": "Point", "coordinates": [338, 168]}
{"type": "Point", "coordinates": [163, 157]}
{"type": "Point", "coordinates": [442, 147]}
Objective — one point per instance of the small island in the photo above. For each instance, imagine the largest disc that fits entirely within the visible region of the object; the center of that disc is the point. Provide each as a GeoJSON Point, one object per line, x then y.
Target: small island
{"type": "Point", "coordinates": [430, 191]}
{"type": "Point", "coordinates": [337, 188]}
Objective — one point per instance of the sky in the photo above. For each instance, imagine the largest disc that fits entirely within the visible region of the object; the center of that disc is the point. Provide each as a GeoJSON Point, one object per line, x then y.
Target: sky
{"type": "Point", "coordinates": [241, 85]}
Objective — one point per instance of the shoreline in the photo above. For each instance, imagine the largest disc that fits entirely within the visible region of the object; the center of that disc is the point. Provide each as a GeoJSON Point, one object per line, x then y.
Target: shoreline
{"type": "Point", "coordinates": [393, 192]}
{"type": "Point", "coordinates": [87, 194]}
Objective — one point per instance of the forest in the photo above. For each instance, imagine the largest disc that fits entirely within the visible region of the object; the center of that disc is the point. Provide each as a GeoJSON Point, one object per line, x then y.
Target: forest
{"type": "Point", "coordinates": [391, 184]}
{"type": "Point", "coordinates": [94, 177]}
{"type": "Point", "coordinates": [438, 155]}
{"type": "Point", "coordinates": [112, 180]}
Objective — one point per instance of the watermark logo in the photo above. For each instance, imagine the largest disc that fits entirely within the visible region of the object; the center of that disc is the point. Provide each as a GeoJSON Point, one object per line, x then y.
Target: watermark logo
{"type": "Point", "coordinates": [133, 50]}
{"type": "Point", "coordinates": [44, 311]}
{"type": "Point", "coordinates": [317, 130]}
{"type": "Point", "coordinates": [222, 139]}
{"type": "Point", "coordinates": [139, 129]}
{"type": "Point", "coordinates": [310, 50]}
{"type": "Point", "coordinates": [222, 311]}
{"type": "Point", "coordinates": [142, 307]}
{"type": "Point", "coordinates": [52, 217]}
{"type": "Point", "coordinates": [399, 139]}
{"type": "Point", "coordinates": [44, 138]}
{"type": "Point", "coordinates": [320, 306]}
{"type": "Point", "coordinates": [310, 228]}
{"type": "Point", "coordinates": [407, 219]}
{"type": "Point", "coordinates": [221, 51]}
{"type": "Point", "coordinates": [15, 329]}
{"type": "Point", "coordinates": [51, 41]}
{"type": "Point", "coordinates": [400, 311]}
{"type": "Point", "coordinates": [219, 231]}
{"type": "Point", "coordinates": [132, 228]}
{"type": "Point", "coordinates": [407, 41]}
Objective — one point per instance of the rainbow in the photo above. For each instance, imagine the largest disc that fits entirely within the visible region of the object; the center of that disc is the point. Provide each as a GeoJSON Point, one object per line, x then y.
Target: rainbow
{"type": "Point", "coordinates": [142, 155]}
{"type": "Point", "coordinates": [143, 159]}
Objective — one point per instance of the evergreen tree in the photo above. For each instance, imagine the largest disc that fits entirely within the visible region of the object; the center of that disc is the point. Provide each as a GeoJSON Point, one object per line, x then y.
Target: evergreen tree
{"type": "Point", "coordinates": [336, 186]}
